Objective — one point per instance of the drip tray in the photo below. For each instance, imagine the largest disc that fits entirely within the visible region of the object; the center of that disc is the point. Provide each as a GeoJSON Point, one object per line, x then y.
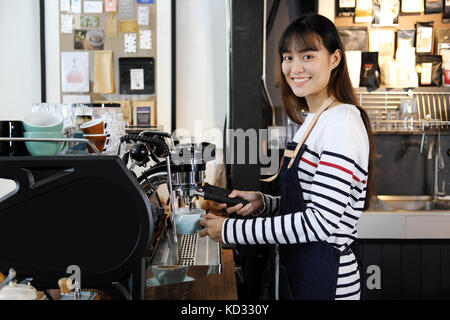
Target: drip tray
{"type": "Point", "coordinates": [200, 256]}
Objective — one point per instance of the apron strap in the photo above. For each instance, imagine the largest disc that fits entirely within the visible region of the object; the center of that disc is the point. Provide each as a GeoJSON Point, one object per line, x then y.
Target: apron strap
{"type": "Point", "coordinates": [293, 154]}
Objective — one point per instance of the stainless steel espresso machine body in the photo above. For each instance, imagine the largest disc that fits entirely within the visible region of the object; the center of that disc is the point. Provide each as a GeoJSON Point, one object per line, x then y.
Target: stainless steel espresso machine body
{"type": "Point", "coordinates": [186, 177]}
{"type": "Point", "coordinates": [189, 170]}
{"type": "Point", "coordinates": [185, 168]}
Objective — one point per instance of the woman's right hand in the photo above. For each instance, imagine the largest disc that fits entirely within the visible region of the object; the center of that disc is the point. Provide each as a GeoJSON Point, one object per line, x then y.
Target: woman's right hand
{"type": "Point", "coordinates": [254, 198]}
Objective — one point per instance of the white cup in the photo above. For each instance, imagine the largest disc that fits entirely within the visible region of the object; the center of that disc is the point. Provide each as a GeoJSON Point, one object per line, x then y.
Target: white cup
{"type": "Point", "coordinates": [169, 274]}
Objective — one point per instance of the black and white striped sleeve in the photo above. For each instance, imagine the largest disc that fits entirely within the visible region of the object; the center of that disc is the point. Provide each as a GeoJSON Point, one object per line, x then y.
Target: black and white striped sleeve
{"type": "Point", "coordinates": [271, 206]}
{"type": "Point", "coordinates": [337, 175]}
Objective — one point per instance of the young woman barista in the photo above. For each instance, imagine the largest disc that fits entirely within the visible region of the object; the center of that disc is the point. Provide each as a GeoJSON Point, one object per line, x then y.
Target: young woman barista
{"type": "Point", "coordinates": [324, 181]}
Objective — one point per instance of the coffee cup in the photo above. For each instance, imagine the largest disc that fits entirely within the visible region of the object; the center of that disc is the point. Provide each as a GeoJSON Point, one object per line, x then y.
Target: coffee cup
{"type": "Point", "coordinates": [98, 140]}
{"type": "Point", "coordinates": [187, 220]}
{"type": "Point", "coordinates": [43, 148]}
{"type": "Point", "coordinates": [169, 274]}
{"type": "Point", "coordinates": [43, 121]}
{"type": "Point", "coordinates": [96, 126]}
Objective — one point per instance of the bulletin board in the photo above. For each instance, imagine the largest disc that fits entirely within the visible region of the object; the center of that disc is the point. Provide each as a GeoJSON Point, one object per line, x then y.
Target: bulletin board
{"type": "Point", "coordinates": [117, 39]}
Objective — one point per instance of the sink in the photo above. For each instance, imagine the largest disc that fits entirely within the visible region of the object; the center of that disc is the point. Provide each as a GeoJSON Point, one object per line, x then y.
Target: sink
{"type": "Point", "coordinates": [408, 203]}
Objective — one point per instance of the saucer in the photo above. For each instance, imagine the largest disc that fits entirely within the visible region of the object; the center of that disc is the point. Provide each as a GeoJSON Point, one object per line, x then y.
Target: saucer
{"type": "Point", "coordinates": [152, 282]}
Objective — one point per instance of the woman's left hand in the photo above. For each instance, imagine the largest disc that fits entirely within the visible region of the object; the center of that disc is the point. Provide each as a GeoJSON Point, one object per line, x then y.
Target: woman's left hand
{"type": "Point", "coordinates": [213, 226]}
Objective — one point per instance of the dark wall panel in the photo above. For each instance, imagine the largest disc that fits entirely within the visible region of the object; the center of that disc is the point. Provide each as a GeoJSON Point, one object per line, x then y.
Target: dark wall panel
{"type": "Point", "coordinates": [246, 71]}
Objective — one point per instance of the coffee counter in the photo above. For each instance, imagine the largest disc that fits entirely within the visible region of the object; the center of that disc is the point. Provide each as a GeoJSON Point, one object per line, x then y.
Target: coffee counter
{"type": "Point", "coordinates": [404, 225]}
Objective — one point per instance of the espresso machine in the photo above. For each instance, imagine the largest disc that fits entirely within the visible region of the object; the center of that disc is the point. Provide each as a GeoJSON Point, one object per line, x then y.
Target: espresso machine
{"type": "Point", "coordinates": [186, 173]}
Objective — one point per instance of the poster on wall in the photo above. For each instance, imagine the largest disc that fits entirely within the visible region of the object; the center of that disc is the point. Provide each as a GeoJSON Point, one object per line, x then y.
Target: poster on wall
{"type": "Point", "coordinates": [75, 71]}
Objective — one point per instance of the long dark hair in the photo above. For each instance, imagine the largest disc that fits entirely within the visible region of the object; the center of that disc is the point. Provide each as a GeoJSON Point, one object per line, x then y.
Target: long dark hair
{"type": "Point", "coordinates": [312, 32]}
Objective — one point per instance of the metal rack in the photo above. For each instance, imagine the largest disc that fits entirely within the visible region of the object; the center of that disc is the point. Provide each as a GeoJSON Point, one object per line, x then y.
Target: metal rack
{"type": "Point", "coordinates": [382, 105]}
{"type": "Point", "coordinates": [76, 140]}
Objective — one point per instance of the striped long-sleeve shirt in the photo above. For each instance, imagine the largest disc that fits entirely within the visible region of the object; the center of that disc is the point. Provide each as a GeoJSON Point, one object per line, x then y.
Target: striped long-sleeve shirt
{"type": "Point", "coordinates": [333, 176]}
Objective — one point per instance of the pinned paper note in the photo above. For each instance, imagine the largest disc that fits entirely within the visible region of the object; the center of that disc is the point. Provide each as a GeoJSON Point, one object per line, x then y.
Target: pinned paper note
{"type": "Point", "coordinates": [76, 6]}
{"type": "Point", "coordinates": [143, 15]}
{"type": "Point", "coordinates": [130, 42]}
{"type": "Point", "coordinates": [64, 5]}
{"type": "Point", "coordinates": [93, 6]}
{"type": "Point", "coordinates": [145, 39]}
{"type": "Point", "coordinates": [66, 23]}
{"type": "Point", "coordinates": [110, 5]}
{"type": "Point", "coordinates": [128, 27]}
{"type": "Point", "coordinates": [89, 21]}
{"type": "Point", "coordinates": [126, 9]}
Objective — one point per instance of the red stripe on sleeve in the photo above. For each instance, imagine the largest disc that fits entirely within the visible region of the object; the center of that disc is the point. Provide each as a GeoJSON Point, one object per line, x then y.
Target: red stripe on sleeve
{"type": "Point", "coordinates": [309, 162]}
{"type": "Point", "coordinates": [342, 169]}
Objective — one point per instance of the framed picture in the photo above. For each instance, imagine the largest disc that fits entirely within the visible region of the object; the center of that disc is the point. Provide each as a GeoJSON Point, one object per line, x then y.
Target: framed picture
{"type": "Point", "coordinates": [144, 113]}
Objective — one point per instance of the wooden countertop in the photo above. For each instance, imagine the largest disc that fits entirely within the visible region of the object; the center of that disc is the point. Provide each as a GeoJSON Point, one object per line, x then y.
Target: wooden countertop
{"type": "Point", "coordinates": [214, 287]}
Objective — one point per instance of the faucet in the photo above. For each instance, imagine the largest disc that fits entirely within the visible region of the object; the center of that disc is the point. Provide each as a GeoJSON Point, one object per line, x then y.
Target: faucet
{"type": "Point", "coordinates": [438, 164]}
{"type": "Point", "coordinates": [435, 148]}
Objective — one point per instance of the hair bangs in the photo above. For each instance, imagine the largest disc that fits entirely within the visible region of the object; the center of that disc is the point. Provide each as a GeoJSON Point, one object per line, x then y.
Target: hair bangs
{"type": "Point", "coordinates": [299, 40]}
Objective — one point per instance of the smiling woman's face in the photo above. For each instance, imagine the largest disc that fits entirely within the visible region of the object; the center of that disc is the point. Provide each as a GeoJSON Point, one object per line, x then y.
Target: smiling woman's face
{"type": "Point", "coordinates": [307, 71]}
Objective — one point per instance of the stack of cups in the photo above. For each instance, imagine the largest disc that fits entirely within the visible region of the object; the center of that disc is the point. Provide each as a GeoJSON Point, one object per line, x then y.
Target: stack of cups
{"type": "Point", "coordinates": [96, 131]}
{"type": "Point", "coordinates": [43, 124]}
{"type": "Point", "coordinates": [115, 128]}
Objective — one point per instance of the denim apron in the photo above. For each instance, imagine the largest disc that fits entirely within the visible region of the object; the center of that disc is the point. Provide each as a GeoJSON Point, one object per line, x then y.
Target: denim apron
{"type": "Point", "coordinates": [307, 271]}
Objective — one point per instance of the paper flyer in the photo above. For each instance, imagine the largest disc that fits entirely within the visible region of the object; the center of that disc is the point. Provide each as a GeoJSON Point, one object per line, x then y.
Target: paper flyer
{"type": "Point", "coordinates": [93, 6]}
{"type": "Point", "coordinates": [75, 71]}
{"type": "Point", "coordinates": [110, 5]}
{"type": "Point", "coordinates": [64, 5]}
{"type": "Point", "coordinates": [66, 23]}
{"type": "Point", "coordinates": [130, 42]}
{"type": "Point", "coordinates": [143, 15]}
{"type": "Point", "coordinates": [126, 9]}
{"type": "Point", "coordinates": [145, 39]}
{"type": "Point", "coordinates": [76, 6]}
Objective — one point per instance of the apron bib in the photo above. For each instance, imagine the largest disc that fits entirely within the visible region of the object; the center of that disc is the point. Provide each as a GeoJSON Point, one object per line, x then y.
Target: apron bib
{"type": "Point", "coordinates": [307, 271]}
